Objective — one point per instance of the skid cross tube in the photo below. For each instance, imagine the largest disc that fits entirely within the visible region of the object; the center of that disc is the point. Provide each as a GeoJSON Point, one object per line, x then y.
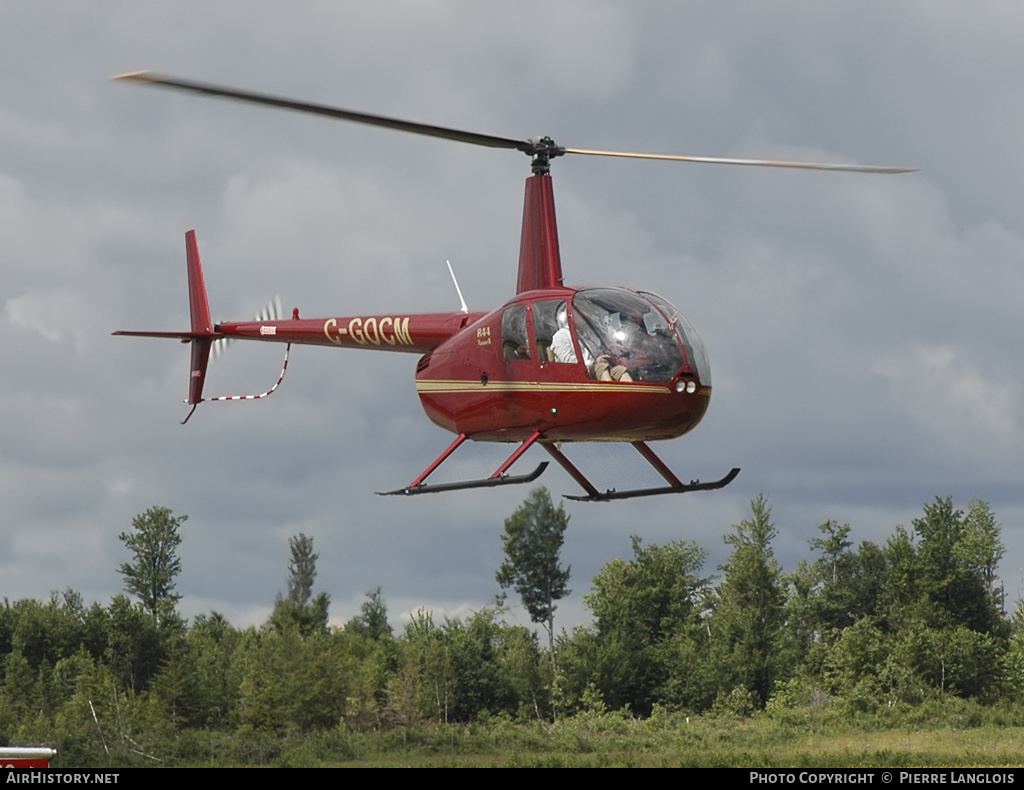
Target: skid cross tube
{"type": "Point", "coordinates": [657, 463]}
{"type": "Point", "coordinates": [440, 460]}
{"type": "Point", "coordinates": [499, 478]}
{"type": "Point", "coordinates": [570, 467]}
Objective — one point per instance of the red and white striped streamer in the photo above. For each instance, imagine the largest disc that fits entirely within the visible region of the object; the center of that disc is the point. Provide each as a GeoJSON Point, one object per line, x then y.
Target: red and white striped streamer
{"type": "Point", "coordinates": [284, 369]}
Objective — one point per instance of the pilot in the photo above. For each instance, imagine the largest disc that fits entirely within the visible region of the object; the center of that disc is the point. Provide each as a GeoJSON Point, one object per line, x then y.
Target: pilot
{"type": "Point", "coordinates": [606, 369]}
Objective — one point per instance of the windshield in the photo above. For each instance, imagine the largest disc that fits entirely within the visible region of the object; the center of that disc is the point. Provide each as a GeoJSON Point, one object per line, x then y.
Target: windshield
{"type": "Point", "coordinates": [625, 337]}
{"type": "Point", "coordinates": [695, 350]}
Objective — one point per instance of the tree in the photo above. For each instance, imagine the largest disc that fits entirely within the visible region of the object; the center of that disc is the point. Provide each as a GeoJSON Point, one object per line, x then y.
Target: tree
{"type": "Point", "coordinates": [301, 569]}
{"type": "Point", "coordinates": [981, 546]}
{"type": "Point", "coordinates": [533, 541]}
{"type": "Point", "coordinates": [831, 593]}
{"type": "Point", "coordinates": [134, 651]}
{"type": "Point", "coordinates": [957, 557]}
{"type": "Point", "coordinates": [372, 620]}
{"type": "Point", "coordinates": [833, 572]}
{"type": "Point", "coordinates": [154, 542]}
{"type": "Point", "coordinates": [300, 608]}
{"type": "Point", "coordinates": [652, 638]}
{"type": "Point", "coordinates": [749, 616]}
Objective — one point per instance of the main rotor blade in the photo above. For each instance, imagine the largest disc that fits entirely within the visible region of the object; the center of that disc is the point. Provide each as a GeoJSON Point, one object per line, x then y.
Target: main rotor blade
{"type": "Point", "coordinates": [331, 112]}
{"type": "Point", "coordinates": [754, 162]}
{"type": "Point", "coordinates": [543, 147]}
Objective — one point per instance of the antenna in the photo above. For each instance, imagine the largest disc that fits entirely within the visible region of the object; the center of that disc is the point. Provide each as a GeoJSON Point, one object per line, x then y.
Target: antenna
{"type": "Point", "coordinates": [457, 289]}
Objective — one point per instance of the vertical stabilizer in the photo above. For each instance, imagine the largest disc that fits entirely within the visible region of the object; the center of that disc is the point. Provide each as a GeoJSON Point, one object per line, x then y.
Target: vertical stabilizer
{"type": "Point", "coordinates": [197, 301]}
{"type": "Point", "coordinates": [199, 307]}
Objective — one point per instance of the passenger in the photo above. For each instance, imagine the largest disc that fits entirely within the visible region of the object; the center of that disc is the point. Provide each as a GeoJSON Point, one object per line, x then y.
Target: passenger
{"type": "Point", "coordinates": [561, 341]}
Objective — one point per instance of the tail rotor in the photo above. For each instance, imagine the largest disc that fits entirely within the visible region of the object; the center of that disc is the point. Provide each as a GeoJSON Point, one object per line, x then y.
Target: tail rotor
{"type": "Point", "coordinates": [271, 311]}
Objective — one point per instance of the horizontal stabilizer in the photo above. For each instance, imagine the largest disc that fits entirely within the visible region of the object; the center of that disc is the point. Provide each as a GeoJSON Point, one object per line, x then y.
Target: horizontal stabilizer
{"type": "Point", "coordinates": [184, 337]}
{"type": "Point", "coordinates": [202, 334]}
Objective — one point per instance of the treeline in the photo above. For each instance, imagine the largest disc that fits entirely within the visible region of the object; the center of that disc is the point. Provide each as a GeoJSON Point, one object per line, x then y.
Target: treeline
{"type": "Point", "coordinates": [855, 629]}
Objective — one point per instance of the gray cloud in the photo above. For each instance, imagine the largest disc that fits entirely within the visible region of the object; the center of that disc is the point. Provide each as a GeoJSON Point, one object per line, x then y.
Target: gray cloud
{"type": "Point", "coordinates": [863, 331]}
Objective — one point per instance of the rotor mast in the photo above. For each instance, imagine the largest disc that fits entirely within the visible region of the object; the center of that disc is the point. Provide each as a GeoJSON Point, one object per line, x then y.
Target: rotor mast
{"type": "Point", "coordinates": [540, 263]}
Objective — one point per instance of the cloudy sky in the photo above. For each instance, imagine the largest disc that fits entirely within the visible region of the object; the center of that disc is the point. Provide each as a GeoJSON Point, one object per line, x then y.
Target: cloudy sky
{"type": "Point", "coordinates": [864, 331]}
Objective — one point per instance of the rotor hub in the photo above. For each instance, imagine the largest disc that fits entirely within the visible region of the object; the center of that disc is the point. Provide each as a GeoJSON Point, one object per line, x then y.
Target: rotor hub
{"type": "Point", "coordinates": [542, 150]}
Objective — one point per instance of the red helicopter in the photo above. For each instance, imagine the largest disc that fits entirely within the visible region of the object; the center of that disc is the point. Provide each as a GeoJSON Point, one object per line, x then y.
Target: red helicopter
{"type": "Point", "coordinates": [553, 364]}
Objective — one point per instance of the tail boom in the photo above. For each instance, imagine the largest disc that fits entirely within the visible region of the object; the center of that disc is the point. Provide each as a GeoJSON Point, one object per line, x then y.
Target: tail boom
{"type": "Point", "coordinates": [410, 333]}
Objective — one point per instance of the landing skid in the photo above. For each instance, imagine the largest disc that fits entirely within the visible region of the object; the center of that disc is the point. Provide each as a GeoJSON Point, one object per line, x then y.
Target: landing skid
{"type": "Point", "coordinates": [696, 485]}
{"type": "Point", "coordinates": [499, 478]}
{"type": "Point", "coordinates": [487, 482]}
{"type": "Point", "coordinates": [675, 485]}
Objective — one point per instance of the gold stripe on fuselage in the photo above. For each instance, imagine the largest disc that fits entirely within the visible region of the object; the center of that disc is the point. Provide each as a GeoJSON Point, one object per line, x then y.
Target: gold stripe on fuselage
{"type": "Point", "coordinates": [471, 385]}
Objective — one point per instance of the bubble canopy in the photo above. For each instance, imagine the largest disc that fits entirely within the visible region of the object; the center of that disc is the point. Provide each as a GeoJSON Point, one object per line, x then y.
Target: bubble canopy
{"type": "Point", "coordinates": [638, 336]}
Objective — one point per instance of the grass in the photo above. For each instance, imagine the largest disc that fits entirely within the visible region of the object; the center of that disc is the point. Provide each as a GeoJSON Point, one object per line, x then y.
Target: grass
{"type": "Point", "coordinates": [614, 740]}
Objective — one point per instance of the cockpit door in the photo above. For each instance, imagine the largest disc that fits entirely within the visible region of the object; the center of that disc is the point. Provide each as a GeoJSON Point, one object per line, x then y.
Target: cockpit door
{"type": "Point", "coordinates": [552, 331]}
